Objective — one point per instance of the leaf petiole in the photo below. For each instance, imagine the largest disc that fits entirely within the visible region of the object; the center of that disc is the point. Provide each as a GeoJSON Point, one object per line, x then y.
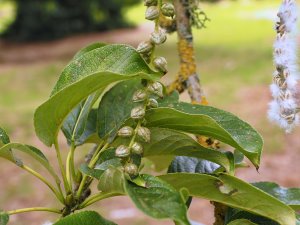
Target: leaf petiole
{"type": "Point", "coordinates": [95, 198]}
{"type": "Point", "coordinates": [61, 166]}
{"type": "Point", "coordinates": [33, 209]}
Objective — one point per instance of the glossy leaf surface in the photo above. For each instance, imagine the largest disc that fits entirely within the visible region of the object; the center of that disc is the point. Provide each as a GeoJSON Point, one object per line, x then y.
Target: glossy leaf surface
{"type": "Point", "coordinates": [76, 122]}
{"type": "Point", "coordinates": [233, 192]}
{"type": "Point", "coordinates": [93, 71]}
{"type": "Point", "coordinates": [290, 196]}
{"type": "Point", "coordinates": [211, 122]}
{"type": "Point", "coordinates": [186, 164]}
{"type": "Point", "coordinates": [170, 142]}
{"type": "Point", "coordinates": [115, 107]}
{"type": "Point", "coordinates": [158, 199]}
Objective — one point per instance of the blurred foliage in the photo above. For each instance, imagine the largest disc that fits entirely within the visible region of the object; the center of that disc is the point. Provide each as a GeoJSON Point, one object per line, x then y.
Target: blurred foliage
{"type": "Point", "coordinates": [50, 19]}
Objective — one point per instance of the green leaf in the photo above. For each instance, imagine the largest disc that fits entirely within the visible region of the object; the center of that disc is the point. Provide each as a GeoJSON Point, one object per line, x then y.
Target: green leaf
{"type": "Point", "coordinates": [84, 218]}
{"type": "Point", "coordinates": [112, 181]}
{"type": "Point", "coordinates": [89, 134]}
{"type": "Point", "coordinates": [192, 165]}
{"type": "Point", "coordinates": [4, 139]}
{"type": "Point", "coordinates": [241, 222]}
{"type": "Point", "coordinates": [4, 218]}
{"type": "Point", "coordinates": [236, 214]}
{"type": "Point", "coordinates": [169, 100]}
{"type": "Point", "coordinates": [75, 123]}
{"type": "Point", "coordinates": [290, 196]}
{"type": "Point", "coordinates": [93, 71]}
{"type": "Point", "coordinates": [91, 172]}
{"type": "Point", "coordinates": [115, 107]}
{"type": "Point", "coordinates": [30, 150]}
{"type": "Point", "coordinates": [89, 48]}
{"type": "Point", "coordinates": [158, 199]}
{"type": "Point", "coordinates": [170, 142]}
{"type": "Point", "coordinates": [211, 122]}
{"type": "Point", "coordinates": [233, 192]}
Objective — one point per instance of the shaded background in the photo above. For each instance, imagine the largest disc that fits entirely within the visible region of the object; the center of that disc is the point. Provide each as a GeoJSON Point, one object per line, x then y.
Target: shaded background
{"type": "Point", "coordinates": [234, 57]}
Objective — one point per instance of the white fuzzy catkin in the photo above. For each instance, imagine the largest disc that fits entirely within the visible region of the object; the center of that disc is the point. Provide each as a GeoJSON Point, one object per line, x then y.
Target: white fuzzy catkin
{"type": "Point", "coordinates": [283, 107]}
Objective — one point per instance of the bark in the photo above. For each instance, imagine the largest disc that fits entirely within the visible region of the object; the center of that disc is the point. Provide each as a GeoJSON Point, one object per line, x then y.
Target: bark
{"type": "Point", "coordinates": [187, 77]}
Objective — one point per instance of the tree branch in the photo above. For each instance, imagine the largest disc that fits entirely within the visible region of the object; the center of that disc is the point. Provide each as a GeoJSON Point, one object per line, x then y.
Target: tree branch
{"type": "Point", "coordinates": [187, 77]}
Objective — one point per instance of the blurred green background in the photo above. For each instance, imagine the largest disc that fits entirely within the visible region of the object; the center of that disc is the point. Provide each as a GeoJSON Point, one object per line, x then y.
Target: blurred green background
{"type": "Point", "coordinates": [234, 58]}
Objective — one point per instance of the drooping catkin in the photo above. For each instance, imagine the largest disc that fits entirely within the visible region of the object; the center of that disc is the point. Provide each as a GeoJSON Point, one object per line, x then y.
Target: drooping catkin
{"type": "Point", "coordinates": [283, 107]}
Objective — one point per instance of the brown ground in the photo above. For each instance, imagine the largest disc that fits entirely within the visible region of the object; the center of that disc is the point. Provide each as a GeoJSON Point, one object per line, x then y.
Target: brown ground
{"type": "Point", "coordinates": [276, 167]}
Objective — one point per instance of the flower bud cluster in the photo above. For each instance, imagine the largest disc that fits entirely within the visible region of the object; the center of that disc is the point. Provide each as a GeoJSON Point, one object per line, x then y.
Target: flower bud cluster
{"type": "Point", "coordinates": [283, 108]}
{"type": "Point", "coordinates": [153, 12]}
{"type": "Point", "coordinates": [144, 98]}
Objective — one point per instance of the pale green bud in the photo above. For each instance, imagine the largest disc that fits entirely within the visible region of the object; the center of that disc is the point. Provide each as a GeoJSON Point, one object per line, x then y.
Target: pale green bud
{"type": "Point", "coordinates": [125, 131]}
{"type": "Point", "coordinates": [144, 133]}
{"type": "Point", "coordinates": [158, 37]}
{"type": "Point", "coordinates": [138, 112]}
{"type": "Point", "coordinates": [139, 95]}
{"type": "Point", "coordinates": [137, 148]}
{"type": "Point", "coordinates": [156, 88]}
{"type": "Point", "coordinates": [153, 103]}
{"type": "Point", "coordinates": [131, 169]}
{"type": "Point", "coordinates": [168, 9]}
{"type": "Point", "coordinates": [160, 63]}
{"type": "Point", "coordinates": [122, 151]}
{"type": "Point", "coordinates": [144, 47]}
{"type": "Point", "coordinates": [152, 13]}
{"type": "Point", "coordinates": [150, 2]}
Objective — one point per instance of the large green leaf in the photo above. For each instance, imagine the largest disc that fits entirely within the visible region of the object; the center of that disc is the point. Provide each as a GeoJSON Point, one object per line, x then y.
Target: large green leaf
{"type": "Point", "coordinates": [30, 150]}
{"type": "Point", "coordinates": [84, 218]}
{"type": "Point", "coordinates": [290, 196]}
{"type": "Point", "coordinates": [170, 142]}
{"type": "Point", "coordinates": [4, 139]}
{"type": "Point", "coordinates": [233, 192]}
{"type": "Point", "coordinates": [4, 218]}
{"type": "Point", "coordinates": [115, 107]}
{"type": "Point", "coordinates": [75, 123]}
{"type": "Point", "coordinates": [92, 71]}
{"type": "Point", "coordinates": [241, 222]}
{"type": "Point", "coordinates": [158, 199]}
{"type": "Point", "coordinates": [211, 122]}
